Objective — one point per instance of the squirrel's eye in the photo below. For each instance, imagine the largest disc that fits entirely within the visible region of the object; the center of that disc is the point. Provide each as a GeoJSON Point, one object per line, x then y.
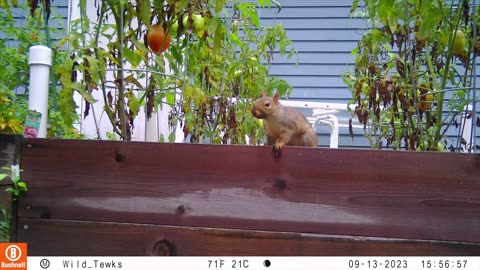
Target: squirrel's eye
{"type": "Point", "coordinates": [267, 104]}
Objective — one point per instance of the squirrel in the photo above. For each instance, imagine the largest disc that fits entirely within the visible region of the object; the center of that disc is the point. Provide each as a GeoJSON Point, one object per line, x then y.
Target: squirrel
{"type": "Point", "coordinates": [283, 125]}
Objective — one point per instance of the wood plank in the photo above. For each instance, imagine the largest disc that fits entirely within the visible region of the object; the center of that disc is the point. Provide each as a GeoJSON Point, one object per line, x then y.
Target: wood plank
{"type": "Point", "coordinates": [5, 204]}
{"type": "Point", "coordinates": [419, 195]}
{"type": "Point", "coordinates": [10, 153]}
{"type": "Point", "coordinates": [73, 238]}
{"type": "Point", "coordinates": [10, 148]}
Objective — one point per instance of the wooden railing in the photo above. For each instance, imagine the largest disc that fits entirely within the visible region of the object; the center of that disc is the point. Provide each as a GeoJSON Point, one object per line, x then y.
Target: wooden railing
{"type": "Point", "coordinates": [125, 198]}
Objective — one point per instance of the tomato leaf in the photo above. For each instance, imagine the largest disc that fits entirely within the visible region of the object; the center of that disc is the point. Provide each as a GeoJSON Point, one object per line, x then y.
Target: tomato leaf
{"type": "Point", "coordinates": [3, 176]}
{"type": "Point", "coordinates": [171, 99]}
{"type": "Point", "coordinates": [145, 12]}
{"type": "Point", "coordinates": [433, 16]}
{"type": "Point", "coordinates": [131, 57]}
{"type": "Point", "coordinates": [22, 186]}
{"type": "Point", "coordinates": [219, 37]}
{"type": "Point", "coordinates": [354, 5]}
{"type": "Point", "coordinates": [279, 6]}
{"type": "Point", "coordinates": [219, 5]}
{"type": "Point", "coordinates": [139, 45]}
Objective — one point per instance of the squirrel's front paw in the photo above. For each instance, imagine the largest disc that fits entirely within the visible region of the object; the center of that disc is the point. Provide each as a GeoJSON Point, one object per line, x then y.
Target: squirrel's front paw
{"type": "Point", "coordinates": [277, 148]}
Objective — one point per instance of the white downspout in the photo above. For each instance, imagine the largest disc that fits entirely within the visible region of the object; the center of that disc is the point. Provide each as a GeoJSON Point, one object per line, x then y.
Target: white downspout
{"type": "Point", "coordinates": [40, 61]}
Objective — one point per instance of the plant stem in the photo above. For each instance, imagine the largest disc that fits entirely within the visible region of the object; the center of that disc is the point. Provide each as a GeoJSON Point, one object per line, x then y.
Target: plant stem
{"type": "Point", "coordinates": [433, 74]}
{"type": "Point", "coordinates": [83, 16]}
{"type": "Point", "coordinates": [412, 77]}
{"type": "Point", "coordinates": [441, 95]}
{"type": "Point", "coordinates": [103, 11]}
{"type": "Point", "coordinates": [121, 93]}
{"type": "Point", "coordinates": [53, 79]}
{"type": "Point", "coordinates": [121, 97]}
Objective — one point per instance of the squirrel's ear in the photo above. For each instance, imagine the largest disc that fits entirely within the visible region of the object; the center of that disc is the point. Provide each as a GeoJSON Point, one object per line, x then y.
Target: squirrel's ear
{"type": "Point", "coordinates": [276, 98]}
{"type": "Point", "coordinates": [264, 94]}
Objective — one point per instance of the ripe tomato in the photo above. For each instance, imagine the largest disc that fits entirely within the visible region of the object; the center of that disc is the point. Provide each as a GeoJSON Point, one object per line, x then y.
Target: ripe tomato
{"type": "Point", "coordinates": [425, 102]}
{"type": "Point", "coordinates": [156, 39]}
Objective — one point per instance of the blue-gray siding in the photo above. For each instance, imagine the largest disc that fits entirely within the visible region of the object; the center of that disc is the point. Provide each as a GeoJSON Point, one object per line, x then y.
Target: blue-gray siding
{"type": "Point", "coordinates": [324, 35]}
{"type": "Point", "coordinates": [59, 9]}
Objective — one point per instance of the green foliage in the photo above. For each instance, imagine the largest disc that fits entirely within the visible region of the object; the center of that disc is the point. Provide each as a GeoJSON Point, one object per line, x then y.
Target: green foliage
{"type": "Point", "coordinates": [17, 188]}
{"type": "Point", "coordinates": [18, 185]}
{"type": "Point", "coordinates": [5, 227]}
{"type": "Point", "coordinates": [12, 112]}
{"type": "Point", "coordinates": [214, 65]}
{"type": "Point", "coordinates": [14, 71]}
{"type": "Point", "coordinates": [13, 67]}
{"type": "Point", "coordinates": [405, 64]}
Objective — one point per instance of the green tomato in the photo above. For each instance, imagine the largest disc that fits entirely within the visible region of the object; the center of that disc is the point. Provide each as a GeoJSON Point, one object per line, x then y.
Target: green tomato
{"type": "Point", "coordinates": [423, 145]}
{"type": "Point", "coordinates": [260, 122]}
{"type": "Point", "coordinates": [440, 147]}
{"type": "Point", "coordinates": [459, 43]}
{"type": "Point", "coordinates": [174, 27]}
{"type": "Point", "coordinates": [198, 23]}
{"type": "Point", "coordinates": [200, 33]}
{"type": "Point", "coordinates": [235, 26]}
{"type": "Point", "coordinates": [237, 74]}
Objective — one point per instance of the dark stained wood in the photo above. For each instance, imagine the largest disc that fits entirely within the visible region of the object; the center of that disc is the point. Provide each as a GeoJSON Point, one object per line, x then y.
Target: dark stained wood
{"type": "Point", "coordinates": [420, 195]}
{"type": "Point", "coordinates": [76, 238]}
{"type": "Point", "coordinates": [5, 203]}
{"type": "Point", "coordinates": [10, 154]}
{"type": "Point", "coordinates": [10, 148]}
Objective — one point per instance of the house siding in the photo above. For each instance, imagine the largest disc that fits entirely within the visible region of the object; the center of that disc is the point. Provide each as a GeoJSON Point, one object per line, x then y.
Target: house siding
{"type": "Point", "coordinates": [59, 9]}
{"type": "Point", "coordinates": [324, 35]}
{"type": "Point", "coordinates": [58, 20]}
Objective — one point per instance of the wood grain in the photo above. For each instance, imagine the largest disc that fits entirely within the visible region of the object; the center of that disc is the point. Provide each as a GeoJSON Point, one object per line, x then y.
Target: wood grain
{"type": "Point", "coordinates": [10, 147]}
{"type": "Point", "coordinates": [421, 195]}
{"type": "Point", "coordinates": [6, 204]}
{"type": "Point", "coordinates": [76, 238]}
{"type": "Point", "coordinates": [10, 154]}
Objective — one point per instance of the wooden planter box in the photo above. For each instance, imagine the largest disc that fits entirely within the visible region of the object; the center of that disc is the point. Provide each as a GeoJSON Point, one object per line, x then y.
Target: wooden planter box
{"type": "Point", "coordinates": [127, 198]}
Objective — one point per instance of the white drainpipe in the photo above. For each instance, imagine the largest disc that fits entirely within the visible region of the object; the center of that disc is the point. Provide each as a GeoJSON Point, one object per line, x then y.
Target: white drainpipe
{"type": "Point", "coordinates": [40, 61]}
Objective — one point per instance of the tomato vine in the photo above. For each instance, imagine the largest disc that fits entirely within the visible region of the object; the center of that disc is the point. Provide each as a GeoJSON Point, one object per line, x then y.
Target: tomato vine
{"type": "Point", "coordinates": [214, 63]}
{"type": "Point", "coordinates": [413, 72]}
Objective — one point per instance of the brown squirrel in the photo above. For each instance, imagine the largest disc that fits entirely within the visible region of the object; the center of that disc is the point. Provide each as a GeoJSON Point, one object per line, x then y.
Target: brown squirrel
{"type": "Point", "coordinates": [283, 125]}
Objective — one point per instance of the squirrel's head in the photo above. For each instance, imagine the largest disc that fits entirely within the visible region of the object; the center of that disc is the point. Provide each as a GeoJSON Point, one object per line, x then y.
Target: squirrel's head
{"type": "Point", "coordinates": [265, 105]}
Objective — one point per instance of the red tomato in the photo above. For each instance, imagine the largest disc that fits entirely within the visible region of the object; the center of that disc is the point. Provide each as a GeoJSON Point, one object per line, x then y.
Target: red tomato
{"type": "Point", "coordinates": [156, 39]}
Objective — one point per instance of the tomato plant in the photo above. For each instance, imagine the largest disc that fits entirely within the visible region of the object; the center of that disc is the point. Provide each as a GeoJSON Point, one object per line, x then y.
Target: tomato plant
{"type": "Point", "coordinates": [411, 66]}
{"type": "Point", "coordinates": [208, 74]}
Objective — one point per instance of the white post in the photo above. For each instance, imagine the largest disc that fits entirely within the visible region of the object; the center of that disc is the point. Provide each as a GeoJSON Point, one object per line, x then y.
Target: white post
{"type": "Point", "coordinates": [334, 133]}
{"type": "Point", "coordinates": [157, 126]}
{"type": "Point", "coordinates": [467, 127]}
{"type": "Point", "coordinates": [40, 60]}
{"type": "Point", "coordinates": [152, 130]}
